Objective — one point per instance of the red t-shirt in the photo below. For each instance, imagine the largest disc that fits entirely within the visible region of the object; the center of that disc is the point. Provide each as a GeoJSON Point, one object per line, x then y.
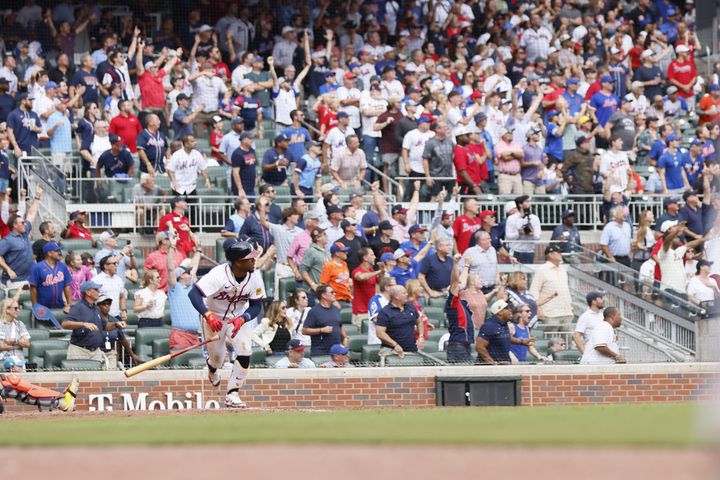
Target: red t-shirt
{"type": "Point", "coordinates": [706, 103]}
{"type": "Point", "coordinates": [127, 128]}
{"type": "Point", "coordinates": [79, 232]}
{"type": "Point", "coordinates": [479, 150]}
{"type": "Point", "coordinates": [594, 88]}
{"type": "Point", "coordinates": [185, 243]}
{"type": "Point", "coordinates": [656, 250]}
{"type": "Point", "coordinates": [222, 70]}
{"type": "Point", "coordinates": [465, 159]}
{"type": "Point", "coordinates": [157, 260]}
{"type": "Point", "coordinates": [152, 89]}
{"type": "Point", "coordinates": [634, 55]}
{"type": "Point", "coordinates": [215, 139]}
{"type": "Point", "coordinates": [552, 97]}
{"type": "Point", "coordinates": [683, 72]}
{"type": "Point", "coordinates": [463, 229]}
{"type": "Point", "coordinates": [363, 291]}
{"type": "Point", "coordinates": [327, 118]}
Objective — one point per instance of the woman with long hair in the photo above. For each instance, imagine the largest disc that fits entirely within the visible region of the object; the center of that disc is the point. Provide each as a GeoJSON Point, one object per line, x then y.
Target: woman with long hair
{"type": "Point", "coordinates": [78, 272]}
{"type": "Point", "coordinates": [644, 239]}
{"type": "Point", "coordinates": [702, 287]}
{"type": "Point", "coordinates": [14, 337]}
{"type": "Point", "coordinates": [150, 301]}
{"type": "Point", "coordinates": [414, 291]}
{"type": "Point", "coordinates": [297, 312]}
{"type": "Point", "coordinates": [518, 294]}
{"type": "Point", "coordinates": [275, 330]}
{"type": "Point", "coordinates": [519, 329]}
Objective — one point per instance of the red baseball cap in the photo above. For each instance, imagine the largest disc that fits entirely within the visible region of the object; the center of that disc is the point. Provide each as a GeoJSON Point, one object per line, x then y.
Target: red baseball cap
{"type": "Point", "coordinates": [348, 76]}
{"type": "Point", "coordinates": [487, 213]}
{"type": "Point", "coordinates": [475, 95]}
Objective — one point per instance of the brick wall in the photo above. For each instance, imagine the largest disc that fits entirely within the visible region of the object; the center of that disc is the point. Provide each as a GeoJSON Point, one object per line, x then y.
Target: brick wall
{"type": "Point", "coordinates": [398, 387]}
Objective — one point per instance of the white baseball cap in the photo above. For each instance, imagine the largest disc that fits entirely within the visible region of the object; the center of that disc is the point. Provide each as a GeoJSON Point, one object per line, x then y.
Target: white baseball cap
{"type": "Point", "coordinates": [647, 53]}
{"type": "Point", "coordinates": [667, 225]}
{"type": "Point", "coordinates": [510, 206]}
{"type": "Point", "coordinates": [498, 306]}
{"type": "Point", "coordinates": [682, 49]}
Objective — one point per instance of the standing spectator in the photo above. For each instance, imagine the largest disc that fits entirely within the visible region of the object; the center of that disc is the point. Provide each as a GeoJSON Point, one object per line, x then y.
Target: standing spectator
{"type": "Point", "coordinates": [517, 293]}
{"type": "Point", "coordinates": [483, 261]}
{"type": "Point", "coordinates": [364, 278]}
{"type": "Point", "coordinates": [302, 242]}
{"type": "Point", "coordinates": [207, 89]}
{"type": "Point", "coordinates": [274, 332]}
{"type": "Point", "coordinates": [184, 117]}
{"type": "Point", "coordinates": [126, 125]}
{"type": "Point", "coordinates": [283, 236]}
{"type": "Point", "coordinates": [468, 164]}
{"type": "Point", "coordinates": [692, 213]}
{"type": "Point", "coordinates": [709, 106]}
{"type": "Point", "coordinates": [335, 273]}
{"type": "Point", "coordinates": [253, 225]}
{"type": "Point", "coordinates": [622, 124]}
{"type": "Point", "coordinates": [349, 165]}
{"type": "Point", "coordinates": [85, 77]}
{"type": "Point", "coordinates": [152, 146]}
{"type": "Point", "coordinates": [533, 164]}
{"type": "Point", "coordinates": [413, 147]}
{"type": "Point", "coordinates": [522, 230]}
{"type": "Point", "coordinates": [371, 107]}
{"type": "Point", "coordinates": [602, 346]}
{"type": "Point", "coordinates": [50, 280]}
{"type": "Point", "coordinates": [308, 172]}
{"type": "Point", "coordinates": [589, 320]}
{"type": "Point", "coordinates": [390, 146]}
{"type": "Point", "coordinates": [150, 301]}
{"type": "Point", "coordinates": [605, 102]}
{"type": "Point", "coordinates": [407, 266]}
{"type": "Point", "coordinates": [16, 255]}
{"type": "Point", "coordinates": [396, 326]}
{"type": "Point", "coordinates": [251, 109]}
{"type": "Point", "coordinates": [185, 322]}
{"type": "Point", "coordinates": [580, 162]}
{"type": "Point", "coordinates": [384, 242]}
{"type": "Point", "coordinates": [465, 226]}
{"type": "Point", "coordinates": [335, 141]}
{"type": "Point", "coordinates": [112, 286]}
{"type": "Point", "coordinates": [567, 234]}
{"type": "Point", "coordinates": [150, 77]}
{"type": "Point", "coordinates": [79, 273]}
{"type": "Point", "coordinates": [551, 281]}
{"type": "Point", "coordinates": [176, 221]}
{"type": "Point", "coordinates": [508, 155]}
{"type": "Point", "coordinates": [494, 339]}
{"type": "Point", "coordinates": [23, 126]}
{"type": "Point", "coordinates": [297, 312]}
{"type": "Point", "coordinates": [59, 129]}
{"type": "Point", "coordinates": [436, 269]}
{"type": "Point", "coordinates": [461, 322]}
{"type": "Point", "coordinates": [244, 162]}
{"type": "Point", "coordinates": [314, 259]}
{"type": "Point", "coordinates": [323, 323]}
{"type": "Point", "coordinates": [299, 136]}
{"type": "Point", "coordinates": [48, 232]}
{"type": "Point", "coordinates": [286, 91]}
{"type": "Point", "coordinates": [671, 259]}
{"type": "Point", "coordinates": [670, 168]}
{"type": "Point", "coordinates": [275, 163]}
{"type": "Point", "coordinates": [438, 161]}
{"type": "Point", "coordinates": [682, 73]}
{"type": "Point", "coordinates": [89, 327]}
{"type": "Point", "coordinates": [158, 259]}
{"type": "Point", "coordinates": [116, 162]}
{"type": "Point", "coordinates": [353, 241]}
{"type": "Point", "coordinates": [184, 166]}
{"type": "Point", "coordinates": [234, 223]}
{"type": "Point", "coordinates": [649, 74]}
{"type": "Point", "coordinates": [114, 338]}
{"type": "Point", "coordinates": [14, 335]}
{"type": "Point", "coordinates": [615, 165]}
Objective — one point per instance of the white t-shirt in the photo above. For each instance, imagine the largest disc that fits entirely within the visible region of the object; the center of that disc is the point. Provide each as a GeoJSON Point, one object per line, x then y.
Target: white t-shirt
{"type": "Point", "coordinates": [414, 143]}
{"type": "Point", "coordinates": [619, 160]}
{"type": "Point", "coordinates": [111, 287]}
{"type": "Point", "coordinates": [392, 89]}
{"type": "Point", "coordinates": [672, 269]}
{"type": "Point", "coordinates": [336, 139]}
{"type": "Point", "coordinates": [603, 334]}
{"type": "Point", "coordinates": [99, 146]}
{"type": "Point", "coordinates": [227, 298]}
{"type": "Point", "coordinates": [285, 102]}
{"type": "Point", "coordinates": [353, 111]}
{"type": "Point", "coordinates": [157, 310]}
{"type": "Point", "coordinates": [298, 319]}
{"type": "Point", "coordinates": [495, 122]}
{"type": "Point", "coordinates": [368, 122]}
{"type": "Point", "coordinates": [587, 323]}
{"type": "Point", "coordinates": [699, 290]}
{"type": "Point", "coordinates": [186, 166]}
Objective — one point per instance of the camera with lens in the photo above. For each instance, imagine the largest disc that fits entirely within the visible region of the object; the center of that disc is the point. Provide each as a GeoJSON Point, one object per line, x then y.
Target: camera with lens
{"type": "Point", "coordinates": [527, 228]}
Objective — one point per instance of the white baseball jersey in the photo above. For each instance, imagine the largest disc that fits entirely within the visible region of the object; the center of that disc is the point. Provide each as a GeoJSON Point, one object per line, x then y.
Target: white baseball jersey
{"type": "Point", "coordinates": [226, 297]}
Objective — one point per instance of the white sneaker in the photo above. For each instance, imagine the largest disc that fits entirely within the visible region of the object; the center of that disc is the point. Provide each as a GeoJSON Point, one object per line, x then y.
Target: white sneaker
{"type": "Point", "coordinates": [213, 377]}
{"type": "Point", "coordinates": [232, 400]}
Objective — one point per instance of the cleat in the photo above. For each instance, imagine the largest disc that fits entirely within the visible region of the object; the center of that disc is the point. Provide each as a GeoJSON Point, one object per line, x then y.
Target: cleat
{"type": "Point", "coordinates": [232, 400]}
{"type": "Point", "coordinates": [213, 377]}
{"type": "Point", "coordinates": [67, 403]}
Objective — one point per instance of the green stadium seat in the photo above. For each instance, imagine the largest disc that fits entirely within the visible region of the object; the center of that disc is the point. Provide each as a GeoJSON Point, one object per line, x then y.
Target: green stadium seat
{"type": "Point", "coordinates": [53, 359]}
{"type": "Point", "coordinates": [80, 365]}
{"type": "Point", "coordinates": [567, 356]}
{"type": "Point", "coordinates": [286, 286]}
{"type": "Point", "coordinates": [541, 344]}
{"type": "Point", "coordinates": [269, 280]}
{"type": "Point", "coordinates": [357, 342]}
{"type": "Point", "coordinates": [60, 334]}
{"type": "Point", "coordinates": [36, 352]}
{"type": "Point", "coordinates": [351, 329]}
{"type": "Point", "coordinates": [435, 335]}
{"type": "Point", "coordinates": [408, 360]}
{"type": "Point", "coordinates": [346, 316]}
{"type": "Point", "coordinates": [258, 356]}
{"type": "Point", "coordinates": [370, 353]}
{"type": "Point", "coordinates": [430, 347]}
{"type": "Point", "coordinates": [160, 347]}
{"type": "Point", "coordinates": [538, 332]}
{"type": "Point", "coordinates": [39, 334]}
{"type": "Point", "coordinates": [184, 359]}
{"type": "Point", "coordinates": [320, 359]}
{"type": "Point", "coordinates": [437, 302]}
{"type": "Point", "coordinates": [76, 244]}
{"type": "Point", "coordinates": [219, 252]}
{"type": "Point", "coordinates": [365, 326]}
{"type": "Point", "coordinates": [25, 316]}
{"type": "Point", "coordinates": [144, 338]}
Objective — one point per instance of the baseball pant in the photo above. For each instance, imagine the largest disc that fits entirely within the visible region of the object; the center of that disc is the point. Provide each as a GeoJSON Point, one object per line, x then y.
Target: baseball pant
{"type": "Point", "coordinates": [241, 344]}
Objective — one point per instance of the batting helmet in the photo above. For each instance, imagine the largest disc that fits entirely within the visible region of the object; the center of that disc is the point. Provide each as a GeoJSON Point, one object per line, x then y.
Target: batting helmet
{"type": "Point", "coordinates": [239, 250]}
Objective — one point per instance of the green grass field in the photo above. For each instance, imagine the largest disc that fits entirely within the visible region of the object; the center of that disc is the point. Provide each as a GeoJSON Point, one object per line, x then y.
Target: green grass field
{"type": "Point", "coordinates": [636, 425]}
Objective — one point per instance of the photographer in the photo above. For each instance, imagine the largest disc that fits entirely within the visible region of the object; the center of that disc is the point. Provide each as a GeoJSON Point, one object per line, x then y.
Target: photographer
{"type": "Point", "coordinates": [522, 230]}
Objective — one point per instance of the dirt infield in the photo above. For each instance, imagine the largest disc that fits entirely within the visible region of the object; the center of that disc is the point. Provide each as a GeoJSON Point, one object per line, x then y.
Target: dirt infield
{"type": "Point", "coordinates": [357, 462]}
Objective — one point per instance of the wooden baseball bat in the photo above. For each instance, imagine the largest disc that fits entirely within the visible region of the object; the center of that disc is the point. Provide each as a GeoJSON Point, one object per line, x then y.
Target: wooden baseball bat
{"type": "Point", "coordinates": [165, 358]}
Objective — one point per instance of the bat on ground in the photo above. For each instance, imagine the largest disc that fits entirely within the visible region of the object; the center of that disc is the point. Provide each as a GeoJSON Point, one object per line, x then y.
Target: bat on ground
{"type": "Point", "coordinates": [165, 358]}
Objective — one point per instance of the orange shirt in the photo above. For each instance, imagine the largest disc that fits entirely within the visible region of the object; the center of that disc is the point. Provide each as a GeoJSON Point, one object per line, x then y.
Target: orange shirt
{"type": "Point", "coordinates": [706, 103]}
{"type": "Point", "coordinates": [338, 278]}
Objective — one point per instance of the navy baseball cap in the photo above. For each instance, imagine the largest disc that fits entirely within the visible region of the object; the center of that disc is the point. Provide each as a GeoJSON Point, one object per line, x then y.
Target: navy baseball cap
{"type": "Point", "coordinates": [423, 119]}
{"type": "Point", "coordinates": [295, 345]}
{"type": "Point", "coordinates": [399, 209]}
{"type": "Point", "coordinates": [339, 247]}
{"type": "Point", "coordinates": [416, 229]}
{"type": "Point", "coordinates": [329, 74]}
{"type": "Point", "coordinates": [385, 225]}
{"type": "Point", "coordinates": [333, 209]}
{"type": "Point", "coordinates": [342, 115]}
{"type": "Point", "coordinates": [281, 138]}
{"type": "Point", "coordinates": [607, 79]}
{"type": "Point", "coordinates": [237, 120]}
{"type": "Point", "coordinates": [51, 247]}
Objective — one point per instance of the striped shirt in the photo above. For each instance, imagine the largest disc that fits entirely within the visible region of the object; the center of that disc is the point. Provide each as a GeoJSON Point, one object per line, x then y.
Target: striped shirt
{"type": "Point", "coordinates": [283, 238]}
{"type": "Point", "coordinates": [207, 91]}
{"type": "Point", "coordinates": [14, 330]}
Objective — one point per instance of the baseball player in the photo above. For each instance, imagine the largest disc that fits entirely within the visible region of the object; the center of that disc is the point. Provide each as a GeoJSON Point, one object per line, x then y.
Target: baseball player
{"type": "Point", "coordinates": [228, 298]}
{"type": "Point", "coordinates": [12, 386]}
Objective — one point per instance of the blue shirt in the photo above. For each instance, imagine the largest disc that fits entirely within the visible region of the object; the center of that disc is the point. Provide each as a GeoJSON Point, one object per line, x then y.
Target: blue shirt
{"type": "Point", "coordinates": [520, 351]}
{"type": "Point", "coordinates": [437, 272]}
{"type": "Point", "coordinates": [574, 102]}
{"type": "Point", "coordinates": [672, 163]}
{"type": "Point", "coordinates": [246, 162]}
{"type": "Point", "coordinates": [249, 111]}
{"type": "Point", "coordinates": [234, 223]}
{"type": "Point", "coordinates": [604, 106]}
{"type": "Point", "coordinates": [253, 229]}
{"type": "Point", "coordinates": [50, 282]}
{"type": "Point", "coordinates": [278, 175]}
{"type": "Point", "coordinates": [7, 104]}
{"type": "Point", "coordinates": [182, 313]}
{"type": "Point", "coordinates": [4, 165]}
{"type": "Point", "coordinates": [693, 168]}
{"type": "Point", "coordinates": [619, 72]}
{"type": "Point", "coordinates": [553, 144]}
{"type": "Point", "coordinates": [17, 252]}
{"type": "Point", "coordinates": [82, 311]}
{"type": "Point", "coordinates": [86, 132]}
{"type": "Point", "coordinates": [81, 77]}
{"type": "Point", "coordinates": [61, 140]}
{"type": "Point", "coordinates": [617, 238]}
{"type": "Point", "coordinates": [308, 169]}
{"type": "Point", "coordinates": [403, 275]}
{"type": "Point", "coordinates": [657, 149]}
{"type": "Point", "coordinates": [115, 164]}
{"type": "Point", "coordinates": [319, 317]}
{"type": "Point", "coordinates": [154, 147]}
{"type": "Point", "coordinates": [298, 138]}
{"type": "Point", "coordinates": [459, 317]}
{"type": "Point", "coordinates": [497, 334]}
{"type": "Point", "coordinates": [181, 129]}
{"type": "Point", "coordinates": [693, 218]}
{"type": "Point", "coordinates": [21, 121]}
{"type": "Point", "coordinates": [400, 325]}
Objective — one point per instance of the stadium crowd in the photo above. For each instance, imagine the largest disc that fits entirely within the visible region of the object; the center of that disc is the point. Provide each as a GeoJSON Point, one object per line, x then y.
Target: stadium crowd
{"type": "Point", "coordinates": [456, 99]}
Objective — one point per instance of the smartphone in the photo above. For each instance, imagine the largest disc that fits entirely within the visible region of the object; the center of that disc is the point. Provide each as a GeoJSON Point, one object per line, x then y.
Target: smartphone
{"type": "Point", "coordinates": [128, 242]}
